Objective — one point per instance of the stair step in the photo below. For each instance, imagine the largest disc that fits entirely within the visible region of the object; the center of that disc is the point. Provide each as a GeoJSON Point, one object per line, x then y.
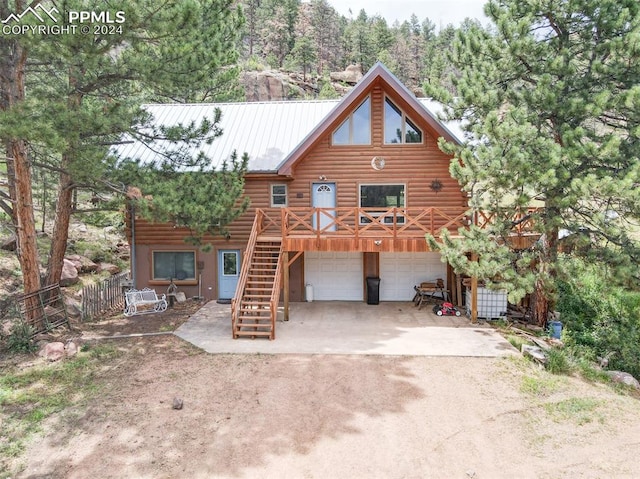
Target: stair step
{"type": "Point", "coordinates": [254, 333]}
{"type": "Point", "coordinates": [251, 321]}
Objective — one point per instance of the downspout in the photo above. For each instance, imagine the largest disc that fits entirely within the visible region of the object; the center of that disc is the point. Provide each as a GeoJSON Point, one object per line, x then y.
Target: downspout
{"type": "Point", "coordinates": [133, 244]}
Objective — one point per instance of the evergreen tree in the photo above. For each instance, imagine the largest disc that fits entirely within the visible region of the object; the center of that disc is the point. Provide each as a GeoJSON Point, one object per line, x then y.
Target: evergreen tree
{"type": "Point", "coordinates": [304, 55]}
{"type": "Point", "coordinates": [552, 103]}
{"type": "Point", "coordinates": [85, 89]}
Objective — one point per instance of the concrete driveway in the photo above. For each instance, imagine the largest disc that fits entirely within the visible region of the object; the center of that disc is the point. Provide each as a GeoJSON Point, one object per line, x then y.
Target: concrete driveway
{"type": "Point", "coordinates": [341, 327]}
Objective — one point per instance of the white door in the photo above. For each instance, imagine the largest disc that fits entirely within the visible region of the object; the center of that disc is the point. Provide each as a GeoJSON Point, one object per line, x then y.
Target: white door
{"type": "Point", "coordinates": [400, 272]}
{"type": "Point", "coordinates": [334, 276]}
{"type": "Point", "coordinates": [323, 195]}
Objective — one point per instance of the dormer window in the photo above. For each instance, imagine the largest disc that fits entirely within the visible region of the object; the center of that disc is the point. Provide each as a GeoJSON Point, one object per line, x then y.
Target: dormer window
{"type": "Point", "coordinates": [356, 129]}
{"type": "Point", "coordinates": [398, 128]}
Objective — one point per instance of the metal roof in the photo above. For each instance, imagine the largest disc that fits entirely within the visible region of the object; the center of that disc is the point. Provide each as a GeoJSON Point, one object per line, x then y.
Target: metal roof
{"type": "Point", "coordinates": [267, 131]}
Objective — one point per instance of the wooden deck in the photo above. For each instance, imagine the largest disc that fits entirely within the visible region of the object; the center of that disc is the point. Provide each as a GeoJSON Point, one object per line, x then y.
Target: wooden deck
{"type": "Point", "coordinates": [376, 230]}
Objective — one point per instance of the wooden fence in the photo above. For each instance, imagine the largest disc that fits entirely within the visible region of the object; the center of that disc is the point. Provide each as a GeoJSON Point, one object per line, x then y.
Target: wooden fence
{"type": "Point", "coordinates": [104, 296]}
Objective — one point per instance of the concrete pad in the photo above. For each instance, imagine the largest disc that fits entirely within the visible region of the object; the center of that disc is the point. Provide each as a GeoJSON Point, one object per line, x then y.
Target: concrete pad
{"type": "Point", "coordinates": [337, 327]}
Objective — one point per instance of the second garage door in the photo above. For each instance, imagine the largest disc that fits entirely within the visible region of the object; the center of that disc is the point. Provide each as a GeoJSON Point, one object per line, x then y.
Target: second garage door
{"type": "Point", "coordinates": [334, 276]}
{"type": "Point", "coordinates": [400, 272]}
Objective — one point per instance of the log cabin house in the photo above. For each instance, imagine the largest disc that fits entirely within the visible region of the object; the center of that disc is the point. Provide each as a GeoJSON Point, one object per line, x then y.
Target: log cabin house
{"type": "Point", "coordinates": [340, 190]}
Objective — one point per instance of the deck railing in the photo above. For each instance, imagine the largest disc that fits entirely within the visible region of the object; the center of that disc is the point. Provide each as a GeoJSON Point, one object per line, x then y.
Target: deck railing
{"type": "Point", "coordinates": [368, 222]}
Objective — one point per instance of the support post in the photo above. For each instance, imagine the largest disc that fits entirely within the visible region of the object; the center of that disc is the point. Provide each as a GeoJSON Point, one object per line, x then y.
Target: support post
{"type": "Point", "coordinates": [474, 293]}
{"type": "Point", "coordinates": [285, 263]}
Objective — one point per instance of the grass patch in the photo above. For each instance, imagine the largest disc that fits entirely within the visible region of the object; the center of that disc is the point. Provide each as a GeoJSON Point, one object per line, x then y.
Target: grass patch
{"type": "Point", "coordinates": [30, 396]}
{"type": "Point", "coordinates": [540, 386]}
{"type": "Point", "coordinates": [577, 410]}
{"type": "Point", "coordinates": [516, 341]}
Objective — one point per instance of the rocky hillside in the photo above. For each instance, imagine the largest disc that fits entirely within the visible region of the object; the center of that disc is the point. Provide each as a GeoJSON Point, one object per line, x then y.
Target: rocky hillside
{"type": "Point", "coordinates": [276, 85]}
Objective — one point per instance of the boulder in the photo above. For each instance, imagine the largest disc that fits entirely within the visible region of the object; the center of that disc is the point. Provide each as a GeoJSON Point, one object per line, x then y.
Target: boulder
{"type": "Point", "coordinates": [82, 263]}
{"type": "Point", "coordinates": [52, 351]}
{"type": "Point", "coordinates": [624, 378]}
{"type": "Point", "coordinates": [111, 268]}
{"type": "Point", "coordinates": [352, 75]}
{"type": "Point", "coordinates": [69, 274]}
{"type": "Point", "coordinates": [9, 244]}
{"type": "Point", "coordinates": [73, 307]}
{"type": "Point", "coordinates": [71, 349]}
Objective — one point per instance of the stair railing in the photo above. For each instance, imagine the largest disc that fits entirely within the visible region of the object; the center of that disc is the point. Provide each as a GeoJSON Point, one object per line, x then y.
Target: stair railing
{"type": "Point", "coordinates": [275, 292]}
{"type": "Point", "coordinates": [236, 301]}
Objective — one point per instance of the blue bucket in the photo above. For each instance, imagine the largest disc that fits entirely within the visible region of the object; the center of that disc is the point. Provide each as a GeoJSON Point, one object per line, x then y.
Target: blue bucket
{"type": "Point", "coordinates": [555, 328]}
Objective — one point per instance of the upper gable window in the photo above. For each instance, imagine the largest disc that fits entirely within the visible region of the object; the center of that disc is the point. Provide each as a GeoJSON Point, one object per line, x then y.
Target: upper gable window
{"type": "Point", "coordinates": [398, 128]}
{"type": "Point", "coordinates": [355, 130]}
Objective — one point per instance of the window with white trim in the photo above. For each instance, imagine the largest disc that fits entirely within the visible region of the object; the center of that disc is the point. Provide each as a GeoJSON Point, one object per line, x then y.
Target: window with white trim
{"type": "Point", "coordinates": [356, 129]}
{"type": "Point", "coordinates": [398, 128]}
{"type": "Point", "coordinates": [177, 265]}
{"type": "Point", "coordinates": [278, 195]}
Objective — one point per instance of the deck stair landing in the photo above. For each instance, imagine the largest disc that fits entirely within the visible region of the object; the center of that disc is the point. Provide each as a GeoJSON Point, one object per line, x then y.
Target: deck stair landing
{"type": "Point", "coordinates": [256, 310]}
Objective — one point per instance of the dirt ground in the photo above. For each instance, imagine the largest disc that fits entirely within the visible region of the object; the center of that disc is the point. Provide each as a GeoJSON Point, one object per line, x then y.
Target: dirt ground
{"type": "Point", "coordinates": [325, 416]}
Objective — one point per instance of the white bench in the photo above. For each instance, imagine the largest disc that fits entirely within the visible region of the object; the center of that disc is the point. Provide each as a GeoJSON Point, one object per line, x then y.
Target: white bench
{"type": "Point", "coordinates": [143, 301]}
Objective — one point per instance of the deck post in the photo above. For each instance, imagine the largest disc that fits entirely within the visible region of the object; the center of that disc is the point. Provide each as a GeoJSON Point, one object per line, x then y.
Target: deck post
{"type": "Point", "coordinates": [285, 272]}
{"type": "Point", "coordinates": [474, 293]}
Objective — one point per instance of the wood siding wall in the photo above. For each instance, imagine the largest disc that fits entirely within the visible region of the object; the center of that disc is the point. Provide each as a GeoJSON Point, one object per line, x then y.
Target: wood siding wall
{"type": "Point", "coordinates": [416, 166]}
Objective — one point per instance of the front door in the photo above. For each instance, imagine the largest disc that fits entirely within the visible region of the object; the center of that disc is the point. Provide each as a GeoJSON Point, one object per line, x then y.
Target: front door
{"type": "Point", "coordinates": [323, 195]}
{"type": "Point", "coordinates": [228, 272]}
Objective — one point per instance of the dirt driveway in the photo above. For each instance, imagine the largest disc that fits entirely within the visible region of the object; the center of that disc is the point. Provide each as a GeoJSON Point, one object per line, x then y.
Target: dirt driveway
{"type": "Point", "coordinates": [321, 416]}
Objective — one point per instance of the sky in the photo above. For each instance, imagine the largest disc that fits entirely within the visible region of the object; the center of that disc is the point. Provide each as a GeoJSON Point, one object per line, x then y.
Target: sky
{"type": "Point", "coordinates": [440, 12]}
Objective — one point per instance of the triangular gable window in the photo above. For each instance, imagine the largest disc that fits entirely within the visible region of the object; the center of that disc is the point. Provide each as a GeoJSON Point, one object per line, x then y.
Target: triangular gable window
{"type": "Point", "coordinates": [398, 128]}
{"type": "Point", "coordinates": [356, 129]}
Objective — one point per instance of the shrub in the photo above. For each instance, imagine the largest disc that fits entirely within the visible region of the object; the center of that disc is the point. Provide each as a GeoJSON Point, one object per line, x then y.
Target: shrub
{"type": "Point", "coordinates": [600, 317]}
{"type": "Point", "coordinates": [19, 339]}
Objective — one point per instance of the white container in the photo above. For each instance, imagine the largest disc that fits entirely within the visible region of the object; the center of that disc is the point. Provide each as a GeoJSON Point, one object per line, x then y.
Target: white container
{"type": "Point", "coordinates": [491, 304]}
{"type": "Point", "coordinates": [309, 292]}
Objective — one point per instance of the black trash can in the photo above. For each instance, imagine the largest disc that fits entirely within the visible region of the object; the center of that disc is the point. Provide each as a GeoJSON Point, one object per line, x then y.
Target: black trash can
{"type": "Point", "coordinates": [373, 290]}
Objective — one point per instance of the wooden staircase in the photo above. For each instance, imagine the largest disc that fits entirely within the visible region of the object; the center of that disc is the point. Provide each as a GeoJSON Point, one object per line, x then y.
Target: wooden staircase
{"type": "Point", "coordinates": [255, 307]}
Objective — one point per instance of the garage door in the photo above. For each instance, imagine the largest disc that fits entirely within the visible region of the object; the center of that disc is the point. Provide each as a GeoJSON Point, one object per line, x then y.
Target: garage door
{"type": "Point", "coordinates": [334, 276]}
{"type": "Point", "coordinates": [400, 272]}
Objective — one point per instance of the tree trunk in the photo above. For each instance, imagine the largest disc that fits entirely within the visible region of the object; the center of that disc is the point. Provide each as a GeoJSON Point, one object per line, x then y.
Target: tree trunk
{"type": "Point", "coordinates": [13, 59]}
{"type": "Point", "coordinates": [24, 220]}
{"type": "Point", "coordinates": [540, 304]}
{"type": "Point", "coordinates": [60, 235]}
{"type": "Point", "coordinates": [544, 292]}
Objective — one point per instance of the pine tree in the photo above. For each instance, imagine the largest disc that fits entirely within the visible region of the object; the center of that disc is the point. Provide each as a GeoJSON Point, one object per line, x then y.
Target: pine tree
{"type": "Point", "coordinates": [552, 104]}
{"type": "Point", "coordinates": [85, 90]}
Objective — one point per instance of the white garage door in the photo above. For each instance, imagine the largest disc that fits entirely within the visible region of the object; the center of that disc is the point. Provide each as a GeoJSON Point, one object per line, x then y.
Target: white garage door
{"type": "Point", "coordinates": [400, 272]}
{"type": "Point", "coordinates": [334, 276]}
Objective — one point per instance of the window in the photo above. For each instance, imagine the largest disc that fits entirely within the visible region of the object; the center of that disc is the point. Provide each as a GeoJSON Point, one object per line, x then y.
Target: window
{"type": "Point", "coordinates": [278, 195]}
{"type": "Point", "coordinates": [355, 130]}
{"type": "Point", "coordinates": [397, 127]}
{"type": "Point", "coordinates": [179, 265]}
{"type": "Point", "coordinates": [384, 197]}
{"type": "Point", "coordinates": [230, 263]}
